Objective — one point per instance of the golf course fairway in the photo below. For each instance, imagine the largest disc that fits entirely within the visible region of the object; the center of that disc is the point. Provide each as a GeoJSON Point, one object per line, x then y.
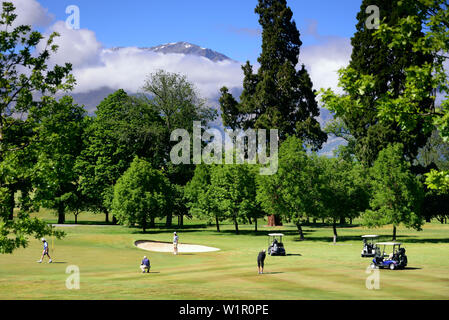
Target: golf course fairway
{"type": "Point", "coordinates": [108, 264]}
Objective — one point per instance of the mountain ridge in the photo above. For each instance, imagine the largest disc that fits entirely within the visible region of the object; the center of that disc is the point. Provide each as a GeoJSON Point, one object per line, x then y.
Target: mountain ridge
{"type": "Point", "coordinates": [183, 47]}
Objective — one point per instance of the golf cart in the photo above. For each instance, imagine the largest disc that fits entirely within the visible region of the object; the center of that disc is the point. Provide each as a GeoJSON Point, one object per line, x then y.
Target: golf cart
{"type": "Point", "coordinates": [275, 245]}
{"type": "Point", "coordinates": [396, 260]}
{"type": "Point", "coordinates": [369, 248]}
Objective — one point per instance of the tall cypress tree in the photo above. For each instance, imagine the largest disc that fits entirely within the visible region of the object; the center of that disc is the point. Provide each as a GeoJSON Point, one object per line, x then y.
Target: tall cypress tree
{"type": "Point", "coordinates": [372, 57]}
{"type": "Point", "coordinates": [278, 96]}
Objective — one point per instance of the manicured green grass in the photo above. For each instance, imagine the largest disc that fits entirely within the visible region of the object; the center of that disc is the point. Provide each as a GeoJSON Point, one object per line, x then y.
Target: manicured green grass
{"type": "Point", "coordinates": [314, 268]}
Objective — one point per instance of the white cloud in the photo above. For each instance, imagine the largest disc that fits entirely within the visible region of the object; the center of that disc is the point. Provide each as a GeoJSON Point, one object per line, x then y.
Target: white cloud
{"type": "Point", "coordinates": [325, 59]}
{"type": "Point", "coordinates": [127, 68]}
{"type": "Point", "coordinates": [79, 47]}
{"type": "Point", "coordinates": [95, 67]}
{"type": "Point", "coordinates": [30, 12]}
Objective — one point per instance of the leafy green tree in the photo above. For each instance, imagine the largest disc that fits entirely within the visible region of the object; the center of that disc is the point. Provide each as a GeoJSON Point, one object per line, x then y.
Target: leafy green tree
{"type": "Point", "coordinates": [435, 154]}
{"type": "Point", "coordinates": [436, 205]}
{"type": "Point", "coordinates": [344, 190]}
{"type": "Point", "coordinates": [396, 193]}
{"type": "Point", "coordinates": [178, 203]}
{"type": "Point", "coordinates": [408, 108]}
{"type": "Point", "coordinates": [61, 128]}
{"type": "Point", "coordinates": [27, 84]}
{"type": "Point", "coordinates": [233, 192]}
{"type": "Point", "coordinates": [294, 191]}
{"type": "Point", "coordinates": [376, 73]}
{"type": "Point", "coordinates": [16, 170]}
{"type": "Point", "coordinates": [122, 129]}
{"type": "Point", "coordinates": [338, 128]}
{"type": "Point", "coordinates": [141, 195]}
{"type": "Point", "coordinates": [199, 196]}
{"type": "Point", "coordinates": [278, 96]}
{"type": "Point", "coordinates": [177, 102]}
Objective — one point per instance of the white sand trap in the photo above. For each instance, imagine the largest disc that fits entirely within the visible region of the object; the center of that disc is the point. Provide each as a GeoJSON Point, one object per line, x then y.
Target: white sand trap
{"type": "Point", "coordinates": [157, 246]}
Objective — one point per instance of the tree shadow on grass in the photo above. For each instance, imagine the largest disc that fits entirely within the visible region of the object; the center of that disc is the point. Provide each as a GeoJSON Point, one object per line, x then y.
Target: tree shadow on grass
{"type": "Point", "coordinates": [89, 223]}
{"type": "Point", "coordinates": [294, 254]}
{"type": "Point", "coordinates": [330, 239]}
{"type": "Point", "coordinates": [183, 227]}
{"type": "Point", "coordinates": [411, 239]}
{"type": "Point", "coordinates": [319, 225]}
{"type": "Point", "coordinates": [157, 231]}
{"type": "Point", "coordinates": [259, 233]}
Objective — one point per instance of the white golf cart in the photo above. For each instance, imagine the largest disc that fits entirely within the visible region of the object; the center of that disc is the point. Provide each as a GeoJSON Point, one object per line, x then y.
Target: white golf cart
{"type": "Point", "coordinates": [369, 248]}
{"type": "Point", "coordinates": [275, 245]}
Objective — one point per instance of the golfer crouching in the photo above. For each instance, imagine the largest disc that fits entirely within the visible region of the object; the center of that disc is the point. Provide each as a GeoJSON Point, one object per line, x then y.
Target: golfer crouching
{"type": "Point", "coordinates": [145, 265]}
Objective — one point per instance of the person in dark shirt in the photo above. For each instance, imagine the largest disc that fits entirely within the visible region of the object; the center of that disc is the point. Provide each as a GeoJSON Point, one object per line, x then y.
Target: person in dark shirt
{"type": "Point", "coordinates": [145, 265]}
{"type": "Point", "coordinates": [261, 260]}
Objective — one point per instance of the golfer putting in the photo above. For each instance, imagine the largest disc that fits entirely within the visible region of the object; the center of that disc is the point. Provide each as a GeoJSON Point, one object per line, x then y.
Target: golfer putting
{"type": "Point", "coordinates": [261, 261]}
{"type": "Point", "coordinates": [45, 251]}
{"type": "Point", "coordinates": [175, 243]}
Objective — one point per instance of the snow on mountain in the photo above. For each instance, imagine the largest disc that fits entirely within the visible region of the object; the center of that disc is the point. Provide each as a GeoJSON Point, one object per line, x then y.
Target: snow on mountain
{"type": "Point", "coordinates": [183, 48]}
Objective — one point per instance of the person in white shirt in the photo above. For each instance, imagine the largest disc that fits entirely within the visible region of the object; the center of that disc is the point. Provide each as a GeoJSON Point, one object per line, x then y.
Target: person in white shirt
{"type": "Point", "coordinates": [175, 243]}
{"type": "Point", "coordinates": [45, 251]}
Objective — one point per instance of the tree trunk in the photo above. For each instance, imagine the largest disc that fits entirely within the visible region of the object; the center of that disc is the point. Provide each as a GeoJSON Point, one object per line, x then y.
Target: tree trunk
{"type": "Point", "coordinates": [250, 220]}
{"type": "Point", "coordinates": [181, 220]}
{"type": "Point", "coordinates": [11, 206]}
{"type": "Point", "coordinates": [217, 223]}
{"type": "Point", "coordinates": [394, 233]}
{"type": "Point", "coordinates": [76, 218]}
{"type": "Point", "coordinates": [342, 220]}
{"type": "Point", "coordinates": [61, 214]}
{"type": "Point", "coordinates": [144, 225]}
{"type": "Point", "coordinates": [274, 220]}
{"type": "Point", "coordinates": [168, 222]}
{"type": "Point", "coordinates": [255, 224]}
{"type": "Point", "coordinates": [334, 227]}
{"type": "Point", "coordinates": [236, 226]}
{"type": "Point", "coordinates": [107, 217]}
{"type": "Point", "coordinates": [350, 221]}
{"type": "Point", "coordinates": [301, 233]}
{"type": "Point", "coordinates": [152, 224]}
{"type": "Point", "coordinates": [114, 220]}
{"type": "Point", "coordinates": [314, 220]}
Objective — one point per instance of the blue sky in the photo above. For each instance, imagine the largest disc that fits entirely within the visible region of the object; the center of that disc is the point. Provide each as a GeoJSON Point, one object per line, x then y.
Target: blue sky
{"type": "Point", "coordinates": [229, 27]}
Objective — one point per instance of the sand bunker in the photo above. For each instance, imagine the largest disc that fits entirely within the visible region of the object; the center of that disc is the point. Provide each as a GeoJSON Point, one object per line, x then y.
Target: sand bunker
{"type": "Point", "coordinates": [168, 247]}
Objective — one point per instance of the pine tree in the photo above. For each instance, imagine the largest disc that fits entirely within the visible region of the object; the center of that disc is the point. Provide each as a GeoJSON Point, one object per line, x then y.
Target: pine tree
{"type": "Point", "coordinates": [278, 96]}
{"type": "Point", "coordinates": [371, 56]}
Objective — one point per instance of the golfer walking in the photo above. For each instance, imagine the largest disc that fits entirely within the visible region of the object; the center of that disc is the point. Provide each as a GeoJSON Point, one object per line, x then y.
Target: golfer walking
{"type": "Point", "coordinates": [175, 243]}
{"type": "Point", "coordinates": [261, 260]}
{"type": "Point", "coordinates": [45, 251]}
